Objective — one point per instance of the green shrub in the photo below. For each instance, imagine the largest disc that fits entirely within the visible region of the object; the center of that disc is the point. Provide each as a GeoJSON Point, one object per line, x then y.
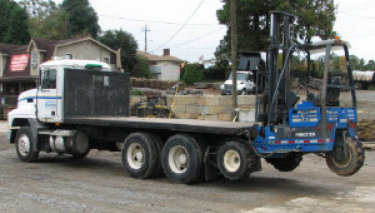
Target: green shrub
{"type": "Point", "coordinates": [192, 74]}
{"type": "Point", "coordinates": [136, 92]}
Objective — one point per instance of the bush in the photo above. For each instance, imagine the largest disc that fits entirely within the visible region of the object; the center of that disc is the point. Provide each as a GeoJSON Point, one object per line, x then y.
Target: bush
{"type": "Point", "coordinates": [142, 69]}
{"type": "Point", "coordinates": [192, 74]}
{"type": "Point", "coordinates": [214, 73]}
{"type": "Point", "coordinates": [137, 92]}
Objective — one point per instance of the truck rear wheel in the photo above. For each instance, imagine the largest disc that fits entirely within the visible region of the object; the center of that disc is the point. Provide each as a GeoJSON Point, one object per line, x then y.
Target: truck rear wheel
{"type": "Point", "coordinates": [25, 145]}
{"type": "Point", "coordinates": [290, 162]}
{"type": "Point", "coordinates": [347, 160]}
{"type": "Point", "coordinates": [232, 160]}
{"type": "Point", "coordinates": [140, 155]}
{"type": "Point", "coordinates": [182, 159]}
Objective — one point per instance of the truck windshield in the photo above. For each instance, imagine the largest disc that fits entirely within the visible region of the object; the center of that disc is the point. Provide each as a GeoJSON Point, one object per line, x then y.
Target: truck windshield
{"type": "Point", "coordinates": [49, 79]}
{"type": "Point", "coordinates": [240, 76]}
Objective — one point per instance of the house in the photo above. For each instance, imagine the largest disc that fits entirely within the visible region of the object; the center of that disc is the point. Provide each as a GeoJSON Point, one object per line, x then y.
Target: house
{"type": "Point", "coordinates": [19, 63]}
{"type": "Point", "coordinates": [165, 67]}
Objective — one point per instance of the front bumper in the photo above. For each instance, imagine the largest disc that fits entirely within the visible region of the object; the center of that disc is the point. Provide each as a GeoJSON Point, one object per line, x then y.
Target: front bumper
{"type": "Point", "coordinates": [229, 92]}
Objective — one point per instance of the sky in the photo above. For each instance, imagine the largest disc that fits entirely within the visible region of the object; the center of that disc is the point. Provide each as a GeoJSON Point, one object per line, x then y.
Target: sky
{"type": "Point", "coordinates": [191, 30]}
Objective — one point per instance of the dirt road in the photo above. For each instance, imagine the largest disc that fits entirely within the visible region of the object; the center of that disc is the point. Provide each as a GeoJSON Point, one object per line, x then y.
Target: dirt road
{"type": "Point", "coordinates": [59, 183]}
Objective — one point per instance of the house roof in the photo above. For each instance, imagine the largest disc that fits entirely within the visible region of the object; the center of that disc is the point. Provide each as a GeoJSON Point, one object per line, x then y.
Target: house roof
{"type": "Point", "coordinates": [156, 58]}
{"type": "Point", "coordinates": [12, 48]}
{"type": "Point", "coordinates": [49, 46]}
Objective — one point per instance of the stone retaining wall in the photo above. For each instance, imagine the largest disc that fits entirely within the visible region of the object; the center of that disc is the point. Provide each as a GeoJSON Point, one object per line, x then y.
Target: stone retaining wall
{"type": "Point", "coordinates": [208, 107]}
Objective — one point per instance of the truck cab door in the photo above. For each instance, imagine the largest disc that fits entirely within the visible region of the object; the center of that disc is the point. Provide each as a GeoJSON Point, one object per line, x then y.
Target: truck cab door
{"type": "Point", "coordinates": [47, 97]}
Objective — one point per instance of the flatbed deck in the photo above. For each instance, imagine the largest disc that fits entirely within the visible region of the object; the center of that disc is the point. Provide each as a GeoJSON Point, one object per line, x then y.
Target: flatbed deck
{"type": "Point", "coordinates": [185, 125]}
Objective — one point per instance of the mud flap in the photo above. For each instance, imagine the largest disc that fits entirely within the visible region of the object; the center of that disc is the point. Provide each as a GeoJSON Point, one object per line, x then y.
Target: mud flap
{"type": "Point", "coordinates": [35, 125]}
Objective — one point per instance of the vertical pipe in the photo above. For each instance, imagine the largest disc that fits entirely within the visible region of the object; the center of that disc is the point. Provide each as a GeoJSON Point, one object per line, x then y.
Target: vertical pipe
{"type": "Point", "coordinates": [350, 76]}
{"type": "Point", "coordinates": [324, 89]}
{"type": "Point", "coordinates": [272, 67]}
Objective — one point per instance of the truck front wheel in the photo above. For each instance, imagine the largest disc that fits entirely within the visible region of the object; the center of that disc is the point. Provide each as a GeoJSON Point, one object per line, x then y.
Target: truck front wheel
{"type": "Point", "coordinates": [25, 145]}
{"type": "Point", "coordinates": [141, 155]}
{"type": "Point", "coordinates": [182, 159]}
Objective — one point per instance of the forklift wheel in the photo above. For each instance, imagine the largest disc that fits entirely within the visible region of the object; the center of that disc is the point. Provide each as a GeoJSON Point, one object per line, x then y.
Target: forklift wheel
{"type": "Point", "coordinates": [347, 160]}
{"type": "Point", "coordinates": [290, 162]}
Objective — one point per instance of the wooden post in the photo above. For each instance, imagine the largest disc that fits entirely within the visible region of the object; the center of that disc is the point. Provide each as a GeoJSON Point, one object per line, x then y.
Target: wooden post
{"type": "Point", "coordinates": [233, 25]}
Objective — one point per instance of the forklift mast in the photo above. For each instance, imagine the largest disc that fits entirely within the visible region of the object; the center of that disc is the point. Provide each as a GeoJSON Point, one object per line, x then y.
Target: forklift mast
{"type": "Point", "coordinates": [280, 98]}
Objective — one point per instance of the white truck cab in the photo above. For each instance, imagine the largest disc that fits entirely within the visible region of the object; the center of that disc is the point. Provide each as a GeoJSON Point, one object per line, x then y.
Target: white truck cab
{"type": "Point", "coordinates": [245, 83]}
{"type": "Point", "coordinates": [45, 102]}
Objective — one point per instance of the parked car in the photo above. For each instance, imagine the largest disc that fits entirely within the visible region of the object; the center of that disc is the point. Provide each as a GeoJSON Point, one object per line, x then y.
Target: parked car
{"type": "Point", "coordinates": [245, 83]}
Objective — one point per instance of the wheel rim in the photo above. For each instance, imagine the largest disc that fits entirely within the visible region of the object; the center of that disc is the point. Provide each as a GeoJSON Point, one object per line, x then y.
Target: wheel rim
{"type": "Point", "coordinates": [341, 163]}
{"type": "Point", "coordinates": [232, 160]}
{"type": "Point", "coordinates": [178, 159]}
{"type": "Point", "coordinates": [24, 145]}
{"type": "Point", "coordinates": [135, 156]}
{"type": "Point", "coordinates": [243, 92]}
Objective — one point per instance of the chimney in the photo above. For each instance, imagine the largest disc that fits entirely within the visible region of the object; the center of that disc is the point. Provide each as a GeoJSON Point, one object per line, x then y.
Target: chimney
{"type": "Point", "coordinates": [167, 52]}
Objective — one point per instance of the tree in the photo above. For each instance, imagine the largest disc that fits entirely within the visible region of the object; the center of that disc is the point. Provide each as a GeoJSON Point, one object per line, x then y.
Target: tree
{"type": "Point", "coordinates": [13, 23]}
{"type": "Point", "coordinates": [193, 73]}
{"type": "Point", "coordinates": [141, 69]}
{"type": "Point", "coordinates": [83, 19]}
{"type": "Point", "coordinates": [46, 19]}
{"type": "Point", "coordinates": [316, 19]}
{"type": "Point", "coordinates": [116, 39]}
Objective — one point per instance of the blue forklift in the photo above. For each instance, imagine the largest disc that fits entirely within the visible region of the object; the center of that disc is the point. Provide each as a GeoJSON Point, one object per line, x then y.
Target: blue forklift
{"type": "Point", "coordinates": [318, 124]}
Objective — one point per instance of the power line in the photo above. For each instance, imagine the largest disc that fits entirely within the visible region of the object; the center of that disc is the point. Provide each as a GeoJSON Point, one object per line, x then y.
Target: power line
{"type": "Point", "coordinates": [156, 21]}
{"type": "Point", "coordinates": [197, 38]}
{"type": "Point", "coordinates": [182, 26]}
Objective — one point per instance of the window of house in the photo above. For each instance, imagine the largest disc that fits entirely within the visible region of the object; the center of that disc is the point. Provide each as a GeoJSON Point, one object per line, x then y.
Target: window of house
{"type": "Point", "coordinates": [106, 60]}
{"type": "Point", "coordinates": [68, 56]}
{"type": "Point", "coordinates": [34, 59]}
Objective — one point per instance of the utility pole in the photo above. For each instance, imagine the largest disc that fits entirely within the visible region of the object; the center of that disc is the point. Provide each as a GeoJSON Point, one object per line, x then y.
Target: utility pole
{"type": "Point", "coordinates": [233, 25]}
{"type": "Point", "coordinates": [146, 30]}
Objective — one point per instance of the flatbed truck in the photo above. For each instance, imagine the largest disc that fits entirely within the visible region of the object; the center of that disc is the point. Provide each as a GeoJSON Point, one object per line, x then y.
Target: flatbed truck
{"type": "Point", "coordinates": [82, 105]}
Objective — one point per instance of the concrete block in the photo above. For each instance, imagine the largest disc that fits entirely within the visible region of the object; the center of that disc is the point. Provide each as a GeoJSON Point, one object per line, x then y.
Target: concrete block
{"type": "Point", "coordinates": [247, 115]}
{"type": "Point", "coordinates": [209, 100]}
{"type": "Point", "coordinates": [182, 100]}
{"type": "Point", "coordinates": [225, 117]}
{"type": "Point", "coordinates": [246, 99]}
{"type": "Point", "coordinates": [204, 110]}
{"type": "Point", "coordinates": [193, 108]}
{"type": "Point", "coordinates": [226, 109]}
{"type": "Point", "coordinates": [182, 115]}
{"type": "Point", "coordinates": [194, 99]}
{"type": "Point", "coordinates": [225, 100]}
{"type": "Point", "coordinates": [179, 108]}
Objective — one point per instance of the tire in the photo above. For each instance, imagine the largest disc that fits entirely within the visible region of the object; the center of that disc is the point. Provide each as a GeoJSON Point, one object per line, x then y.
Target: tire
{"type": "Point", "coordinates": [80, 156]}
{"type": "Point", "coordinates": [290, 162]}
{"type": "Point", "coordinates": [243, 92]}
{"type": "Point", "coordinates": [233, 160]}
{"type": "Point", "coordinates": [25, 145]}
{"type": "Point", "coordinates": [358, 86]}
{"type": "Point", "coordinates": [353, 162]}
{"type": "Point", "coordinates": [182, 159]}
{"type": "Point", "coordinates": [81, 145]}
{"type": "Point", "coordinates": [140, 155]}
